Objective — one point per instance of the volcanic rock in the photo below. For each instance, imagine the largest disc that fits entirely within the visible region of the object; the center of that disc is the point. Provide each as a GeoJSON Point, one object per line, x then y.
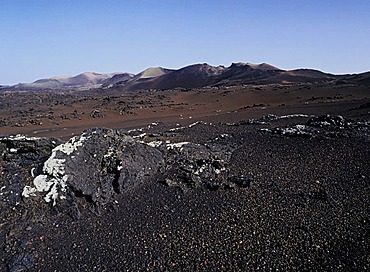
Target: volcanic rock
{"type": "Point", "coordinates": [325, 126]}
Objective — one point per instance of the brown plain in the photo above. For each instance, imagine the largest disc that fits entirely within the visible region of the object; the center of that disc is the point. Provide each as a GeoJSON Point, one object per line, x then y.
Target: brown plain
{"type": "Point", "coordinates": [57, 114]}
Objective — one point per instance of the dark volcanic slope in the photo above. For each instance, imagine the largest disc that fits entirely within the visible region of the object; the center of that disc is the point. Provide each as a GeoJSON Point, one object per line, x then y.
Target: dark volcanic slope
{"type": "Point", "coordinates": [275, 193]}
{"type": "Point", "coordinates": [201, 75]}
{"type": "Point", "coordinates": [363, 78]}
{"type": "Point", "coordinates": [198, 75]}
{"type": "Point", "coordinates": [242, 73]}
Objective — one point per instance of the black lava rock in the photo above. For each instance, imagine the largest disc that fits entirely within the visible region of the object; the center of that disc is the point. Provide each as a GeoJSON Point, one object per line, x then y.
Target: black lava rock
{"type": "Point", "coordinates": [241, 181]}
{"type": "Point", "coordinates": [21, 262]}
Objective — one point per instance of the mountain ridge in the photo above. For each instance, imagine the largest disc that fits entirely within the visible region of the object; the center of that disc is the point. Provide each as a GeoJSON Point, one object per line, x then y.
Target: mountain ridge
{"type": "Point", "coordinates": [193, 76]}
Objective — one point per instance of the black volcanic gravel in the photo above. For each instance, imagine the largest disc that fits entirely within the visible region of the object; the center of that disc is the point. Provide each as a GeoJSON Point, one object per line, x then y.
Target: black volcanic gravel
{"type": "Point", "coordinates": [306, 208]}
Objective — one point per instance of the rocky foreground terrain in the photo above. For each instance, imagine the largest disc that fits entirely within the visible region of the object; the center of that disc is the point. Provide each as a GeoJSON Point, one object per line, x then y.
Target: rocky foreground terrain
{"type": "Point", "coordinates": [219, 178]}
{"type": "Point", "coordinates": [277, 192]}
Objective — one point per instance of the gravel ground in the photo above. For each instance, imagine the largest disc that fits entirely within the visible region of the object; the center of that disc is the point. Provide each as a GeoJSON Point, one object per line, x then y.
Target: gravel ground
{"type": "Point", "coordinates": [306, 208]}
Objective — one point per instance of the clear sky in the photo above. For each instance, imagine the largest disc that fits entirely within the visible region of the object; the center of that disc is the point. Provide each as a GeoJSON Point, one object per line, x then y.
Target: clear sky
{"type": "Point", "coordinates": [44, 38]}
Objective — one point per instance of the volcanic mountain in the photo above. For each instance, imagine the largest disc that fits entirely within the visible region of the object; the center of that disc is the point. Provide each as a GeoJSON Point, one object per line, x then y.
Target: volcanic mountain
{"type": "Point", "coordinates": [195, 76]}
{"type": "Point", "coordinates": [202, 75]}
{"type": "Point", "coordinates": [145, 79]}
{"type": "Point", "coordinates": [82, 80]}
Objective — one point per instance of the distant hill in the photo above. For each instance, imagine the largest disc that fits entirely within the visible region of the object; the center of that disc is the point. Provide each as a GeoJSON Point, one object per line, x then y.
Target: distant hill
{"type": "Point", "coordinates": [197, 75]}
{"type": "Point", "coordinates": [153, 72]}
{"type": "Point", "coordinates": [363, 78]}
{"type": "Point", "coordinates": [81, 80]}
{"type": "Point", "coordinates": [202, 75]}
{"type": "Point", "coordinates": [117, 78]}
{"type": "Point", "coordinates": [194, 76]}
{"type": "Point", "coordinates": [84, 79]}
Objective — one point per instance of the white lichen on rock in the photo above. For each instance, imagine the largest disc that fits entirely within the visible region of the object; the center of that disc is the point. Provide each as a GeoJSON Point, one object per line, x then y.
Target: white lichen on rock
{"type": "Point", "coordinates": [29, 191]}
{"type": "Point", "coordinates": [110, 153]}
{"type": "Point", "coordinates": [140, 136]}
{"type": "Point", "coordinates": [297, 115]}
{"type": "Point", "coordinates": [297, 129]}
{"type": "Point", "coordinates": [194, 124]}
{"type": "Point", "coordinates": [54, 179]}
{"type": "Point", "coordinates": [155, 144]}
{"type": "Point", "coordinates": [54, 167]}
{"type": "Point", "coordinates": [19, 137]}
{"type": "Point", "coordinates": [176, 129]}
{"type": "Point", "coordinates": [42, 184]}
{"type": "Point", "coordinates": [176, 145]}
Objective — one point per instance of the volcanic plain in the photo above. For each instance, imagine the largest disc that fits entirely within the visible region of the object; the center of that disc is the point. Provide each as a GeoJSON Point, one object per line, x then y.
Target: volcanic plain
{"type": "Point", "coordinates": [228, 178]}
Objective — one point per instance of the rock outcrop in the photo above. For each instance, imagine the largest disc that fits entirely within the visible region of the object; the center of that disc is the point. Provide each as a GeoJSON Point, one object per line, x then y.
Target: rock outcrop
{"type": "Point", "coordinates": [325, 126]}
{"type": "Point", "coordinates": [101, 163]}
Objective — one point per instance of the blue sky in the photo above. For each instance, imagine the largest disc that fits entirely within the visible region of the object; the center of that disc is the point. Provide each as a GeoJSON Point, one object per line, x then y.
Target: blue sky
{"type": "Point", "coordinates": [44, 38]}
